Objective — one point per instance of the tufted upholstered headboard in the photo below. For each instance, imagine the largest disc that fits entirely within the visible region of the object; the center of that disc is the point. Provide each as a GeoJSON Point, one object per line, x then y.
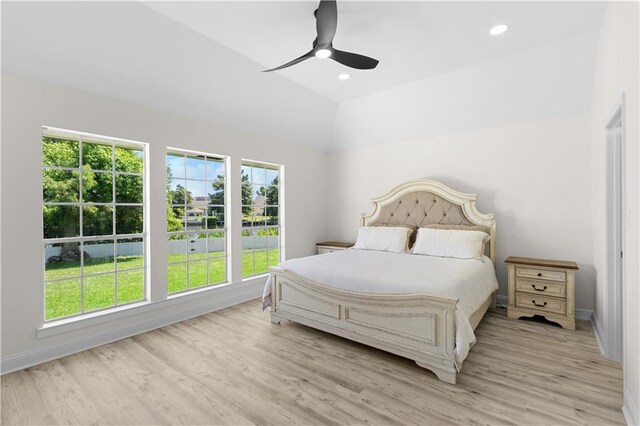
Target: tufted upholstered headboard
{"type": "Point", "coordinates": [423, 202]}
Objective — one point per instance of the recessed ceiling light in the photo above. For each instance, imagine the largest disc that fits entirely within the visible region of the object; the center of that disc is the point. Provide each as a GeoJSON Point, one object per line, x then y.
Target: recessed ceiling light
{"type": "Point", "coordinates": [344, 76]}
{"type": "Point", "coordinates": [323, 53]}
{"type": "Point", "coordinates": [498, 29]}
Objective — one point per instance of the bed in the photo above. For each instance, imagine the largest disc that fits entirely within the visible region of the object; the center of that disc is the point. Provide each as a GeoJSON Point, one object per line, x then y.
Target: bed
{"type": "Point", "coordinates": [419, 307]}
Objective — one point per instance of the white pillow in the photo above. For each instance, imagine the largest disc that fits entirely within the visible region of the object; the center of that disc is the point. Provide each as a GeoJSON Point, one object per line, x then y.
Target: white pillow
{"type": "Point", "coordinates": [450, 243]}
{"type": "Point", "coordinates": [384, 238]}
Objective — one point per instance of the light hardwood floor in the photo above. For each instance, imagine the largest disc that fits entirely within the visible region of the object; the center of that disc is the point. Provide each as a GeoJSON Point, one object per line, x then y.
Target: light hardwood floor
{"type": "Point", "coordinates": [235, 367]}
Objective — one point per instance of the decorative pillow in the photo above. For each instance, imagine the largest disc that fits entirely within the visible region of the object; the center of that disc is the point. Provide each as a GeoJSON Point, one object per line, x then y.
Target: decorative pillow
{"type": "Point", "coordinates": [450, 243]}
{"type": "Point", "coordinates": [383, 238]}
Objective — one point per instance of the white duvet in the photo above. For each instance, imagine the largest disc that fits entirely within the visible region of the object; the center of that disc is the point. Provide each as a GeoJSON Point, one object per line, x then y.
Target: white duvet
{"type": "Point", "coordinates": [470, 281]}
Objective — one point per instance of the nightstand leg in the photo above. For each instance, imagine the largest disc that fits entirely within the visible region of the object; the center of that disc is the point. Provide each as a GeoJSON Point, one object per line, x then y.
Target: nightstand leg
{"type": "Point", "coordinates": [513, 314]}
{"type": "Point", "coordinates": [565, 323]}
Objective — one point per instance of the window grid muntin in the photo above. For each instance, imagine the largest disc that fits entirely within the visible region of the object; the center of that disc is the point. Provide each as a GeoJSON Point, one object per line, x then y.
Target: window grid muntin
{"type": "Point", "coordinates": [83, 139]}
{"type": "Point", "coordinates": [206, 231]}
{"type": "Point", "coordinates": [253, 229]}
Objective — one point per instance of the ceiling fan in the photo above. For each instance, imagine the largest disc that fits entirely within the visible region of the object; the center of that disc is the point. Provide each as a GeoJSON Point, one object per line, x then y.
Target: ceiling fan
{"type": "Point", "coordinates": [326, 23]}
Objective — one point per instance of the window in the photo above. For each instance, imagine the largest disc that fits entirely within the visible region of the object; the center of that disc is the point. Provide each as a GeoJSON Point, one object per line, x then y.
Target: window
{"type": "Point", "coordinates": [260, 217]}
{"type": "Point", "coordinates": [93, 222]}
{"type": "Point", "coordinates": [196, 203]}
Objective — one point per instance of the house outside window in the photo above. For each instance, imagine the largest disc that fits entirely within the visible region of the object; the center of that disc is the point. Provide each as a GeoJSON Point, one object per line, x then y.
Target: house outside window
{"type": "Point", "coordinates": [196, 224]}
{"type": "Point", "coordinates": [261, 217]}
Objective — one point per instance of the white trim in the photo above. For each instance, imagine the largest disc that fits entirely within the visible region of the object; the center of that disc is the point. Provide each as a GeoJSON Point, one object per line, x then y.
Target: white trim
{"type": "Point", "coordinates": [66, 324]}
{"type": "Point", "coordinates": [57, 132]}
{"type": "Point", "coordinates": [280, 206]}
{"type": "Point", "coordinates": [598, 331]}
{"type": "Point", "coordinates": [182, 151]}
{"type": "Point", "coordinates": [82, 139]}
{"type": "Point", "coordinates": [583, 314]}
{"type": "Point", "coordinates": [502, 299]}
{"type": "Point", "coordinates": [282, 220]}
{"type": "Point", "coordinates": [185, 155]}
{"type": "Point", "coordinates": [180, 310]}
{"type": "Point", "coordinates": [580, 314]}
{"type": "Point", "coordinates": [614, 227]}
{"type": "Point", "coordinates": [620, 102]}
{"type": "Point", "coordinates": [630, 411]}
{"type": "Point", "coordinates": [264, 275]}
{"type": "Point", "coordinates": [251, 163]}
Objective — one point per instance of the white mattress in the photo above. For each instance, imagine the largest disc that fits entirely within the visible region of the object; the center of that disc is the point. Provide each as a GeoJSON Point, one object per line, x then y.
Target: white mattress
{"type": "Point", "coordinates": [471, 281]}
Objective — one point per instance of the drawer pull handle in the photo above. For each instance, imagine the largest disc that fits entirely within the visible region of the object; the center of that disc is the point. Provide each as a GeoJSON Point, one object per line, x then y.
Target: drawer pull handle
{"type": "Point", "coordinates": [539, 274]}
{"type": "Point", "coordinates": [538, 305]}
{"type": "Point", "coordinates": [533, 286]}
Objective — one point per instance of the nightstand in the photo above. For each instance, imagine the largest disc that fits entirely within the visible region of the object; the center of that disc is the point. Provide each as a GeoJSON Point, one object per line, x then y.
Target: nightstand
{"type": "Point", "coordinates": [542, 287]}
{"type": "Point", "coordinates": [330, 246]}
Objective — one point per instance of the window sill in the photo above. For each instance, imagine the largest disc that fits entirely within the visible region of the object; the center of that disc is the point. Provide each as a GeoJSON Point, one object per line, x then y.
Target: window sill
{"type": "Point", "coordinates": [204, 289]}
{"type": "Point", "coordinates": [67, 324]}
{"type": "Point", "coordinates": [255, 277]}
{"type": "Point", "coordinates": [92, 319]}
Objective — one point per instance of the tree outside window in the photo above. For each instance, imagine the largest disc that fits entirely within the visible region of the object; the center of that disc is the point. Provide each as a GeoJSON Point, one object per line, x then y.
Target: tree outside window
{"type": "Point", "coordinates": [93, 223]}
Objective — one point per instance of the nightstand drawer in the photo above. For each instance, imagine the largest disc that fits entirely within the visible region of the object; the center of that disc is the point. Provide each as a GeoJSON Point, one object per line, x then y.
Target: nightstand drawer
{"type": "Point", "coordinates": [331, 246]}
{"type": "Point", "coordinates": [546, 288]}
{"type": "Point", "coordinates": [323, 250]}
{"type": "Point", "coordinates": [541, 303]}
{"type": "Point", "coordinates": [541, 274]}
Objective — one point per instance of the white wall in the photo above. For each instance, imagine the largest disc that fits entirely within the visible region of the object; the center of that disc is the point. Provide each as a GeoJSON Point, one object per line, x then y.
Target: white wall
{"type": "Point", "coordinates": [515, 130]}
{"type": "Point", "coordinates": [26, 106]}
{"type": "Point", "coordinates": [617, 71]}
{"type": "Point", "coordinates": [534, 177]}
{"type": "Point", "coordinates": [545, 82]}
{"type": "Point", "coordinates": [153, 61]}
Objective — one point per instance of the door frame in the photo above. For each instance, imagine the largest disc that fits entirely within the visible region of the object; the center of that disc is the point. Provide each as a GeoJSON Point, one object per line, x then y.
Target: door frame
{"type": "Point", "coordinates": [615, 218]}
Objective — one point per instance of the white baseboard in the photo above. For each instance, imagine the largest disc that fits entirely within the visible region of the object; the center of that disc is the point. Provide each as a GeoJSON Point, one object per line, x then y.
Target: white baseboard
{"type": "Point", "coordinates": [630, 411]}
{"type": "Point", "coordinates": [502, 300]}
{"type": "Point", "coordinates": [175, 312]}
{"type": "Point", "coordinates": [581, 314]}
{"type": "Point", "coordinates": [598, 331]}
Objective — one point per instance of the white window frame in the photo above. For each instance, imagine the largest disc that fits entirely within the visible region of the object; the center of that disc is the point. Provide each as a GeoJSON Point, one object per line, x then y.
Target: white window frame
{"type": "Point", "coordinates": [81, 137]}
{"type": "Point", "coordinates": [280, 206]}
{"type": "Point", "coordinates": [185, 153]}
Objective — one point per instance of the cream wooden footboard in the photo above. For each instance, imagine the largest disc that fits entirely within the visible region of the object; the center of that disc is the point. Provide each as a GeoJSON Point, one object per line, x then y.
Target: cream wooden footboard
{"type": "Point", "coordinates": [416, 326]}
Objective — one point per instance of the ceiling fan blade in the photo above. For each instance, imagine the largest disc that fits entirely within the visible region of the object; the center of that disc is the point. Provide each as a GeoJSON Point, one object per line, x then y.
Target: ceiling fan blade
{"type": "Point", "coordinates": [295, 61]}
{"type": "Point", "coordinates": [326, 21]}
{"type": "Point", "coordinates": [353, 60]}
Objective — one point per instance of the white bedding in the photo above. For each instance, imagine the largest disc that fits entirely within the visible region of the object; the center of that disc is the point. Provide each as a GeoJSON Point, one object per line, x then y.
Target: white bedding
{"type": "Point", "coordinates": [469, 280]}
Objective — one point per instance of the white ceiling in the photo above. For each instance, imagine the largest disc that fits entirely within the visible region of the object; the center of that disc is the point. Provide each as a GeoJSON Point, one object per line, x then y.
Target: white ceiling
{"type": "Point", "coordinates": [203, 59]}
{"type": "Point", "coordinates": [412, 40]}
{"type": "Point", "coordinates": [126, 51]}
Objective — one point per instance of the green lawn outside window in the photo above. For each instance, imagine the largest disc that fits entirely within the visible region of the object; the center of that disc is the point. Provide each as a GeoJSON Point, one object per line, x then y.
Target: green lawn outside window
{"type": "Point", "coordinates": [62, 298]}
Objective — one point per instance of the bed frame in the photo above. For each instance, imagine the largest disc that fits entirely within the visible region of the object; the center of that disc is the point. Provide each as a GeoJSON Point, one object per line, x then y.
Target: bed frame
{"type": "Point", "coordinates": [416, 326]}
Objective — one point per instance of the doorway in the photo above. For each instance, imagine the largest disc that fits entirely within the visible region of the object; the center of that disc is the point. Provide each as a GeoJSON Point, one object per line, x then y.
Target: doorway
{"type": "Point", "coordinates": [614, 140]}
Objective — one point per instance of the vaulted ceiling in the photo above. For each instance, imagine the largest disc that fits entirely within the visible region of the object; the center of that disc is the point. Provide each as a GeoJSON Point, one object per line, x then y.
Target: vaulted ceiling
{"type": "Point", "coordinates": [203, 59]}
{"type": "Point", "coordinates": [412, 40]}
